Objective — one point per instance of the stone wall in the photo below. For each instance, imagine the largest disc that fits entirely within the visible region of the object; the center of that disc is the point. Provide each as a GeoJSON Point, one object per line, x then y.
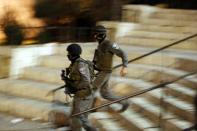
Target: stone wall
{"type": "Point", "coordinates": [5, 58]}
{"type": "Point", "coordinates": [4, 66]}
{"type": "Point", "coordinates": [134, 13]}
{"type": "Point", "coordinates": [14, 58]}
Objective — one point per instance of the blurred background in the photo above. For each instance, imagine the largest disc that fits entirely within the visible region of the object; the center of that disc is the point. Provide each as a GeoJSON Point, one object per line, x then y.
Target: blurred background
{"type": "Point", "coordinates": [42, 21]}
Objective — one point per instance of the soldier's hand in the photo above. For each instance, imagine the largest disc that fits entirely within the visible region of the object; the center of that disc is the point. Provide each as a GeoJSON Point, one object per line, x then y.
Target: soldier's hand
{"type": "Point", "coordinates": [123, 71]}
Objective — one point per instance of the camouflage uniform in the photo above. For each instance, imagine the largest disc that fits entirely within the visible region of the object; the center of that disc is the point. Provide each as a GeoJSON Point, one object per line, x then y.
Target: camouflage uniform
{"type": "Point", "coordinates": [103, 59]}
{"type": "Point", "coordinates": [83, 99]}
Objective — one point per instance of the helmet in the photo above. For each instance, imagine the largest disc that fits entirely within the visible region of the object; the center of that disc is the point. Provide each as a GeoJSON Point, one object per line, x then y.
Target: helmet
{"type": "Point", "coordinates": [74, 49]}
{"type": "Point", "coordinates": [100, 29]}
{"type": "Point", "coordinates": [100, 32]}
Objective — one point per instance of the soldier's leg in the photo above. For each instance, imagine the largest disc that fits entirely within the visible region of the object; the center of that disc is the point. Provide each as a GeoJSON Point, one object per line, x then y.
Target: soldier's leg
{"type": "Point", "coordinates": [75, 122]}
{"type": "Point", "coordinates": [100, 80]}
{"type": "Point", "coordinates": [86, 104]}
{"type": "Point", "coordinates": [107, 94]}
{"type": "Point", "coordinates": [86, 123]}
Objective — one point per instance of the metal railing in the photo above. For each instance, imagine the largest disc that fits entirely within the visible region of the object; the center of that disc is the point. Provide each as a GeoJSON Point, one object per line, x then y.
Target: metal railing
{"type": "Point", "coordinates": [159, 49]}
{"type": "Point", "coordinates": [137, 93]}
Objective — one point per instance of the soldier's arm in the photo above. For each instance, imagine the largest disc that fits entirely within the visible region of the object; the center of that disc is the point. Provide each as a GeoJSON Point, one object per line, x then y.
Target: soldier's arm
{"type": "Point", "coordinates": [114, 48]}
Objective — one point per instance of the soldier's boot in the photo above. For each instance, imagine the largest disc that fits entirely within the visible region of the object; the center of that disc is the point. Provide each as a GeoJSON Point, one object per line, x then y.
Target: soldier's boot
{"type": "Point", "coordinates": [125, 106]}
{"type": "Point", "coordinates": [88, 127]}
{"type": "Point", "coordinates": [91, 129]}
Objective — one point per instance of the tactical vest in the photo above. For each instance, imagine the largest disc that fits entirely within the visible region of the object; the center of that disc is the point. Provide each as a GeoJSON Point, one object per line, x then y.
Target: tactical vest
{"type": "Point", "coordinates": [76, 77]}
{"type": "Point", "coordinates": [103, 58]}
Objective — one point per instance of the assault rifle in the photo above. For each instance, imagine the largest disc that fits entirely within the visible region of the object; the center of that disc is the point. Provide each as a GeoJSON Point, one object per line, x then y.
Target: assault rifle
{"type": "Point", "coordinates": [69, 89]}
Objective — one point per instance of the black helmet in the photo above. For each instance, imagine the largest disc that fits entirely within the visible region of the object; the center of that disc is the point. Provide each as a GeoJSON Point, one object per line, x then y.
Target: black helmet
{"type": "Point", "coordinates": [100, 29]}
{"type": "Point", "coordinates": [74, 49]}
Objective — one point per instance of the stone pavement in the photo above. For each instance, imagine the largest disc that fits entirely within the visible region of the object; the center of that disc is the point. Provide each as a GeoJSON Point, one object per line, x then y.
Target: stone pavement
{"type": "Point", "coordinates": [13, 123]}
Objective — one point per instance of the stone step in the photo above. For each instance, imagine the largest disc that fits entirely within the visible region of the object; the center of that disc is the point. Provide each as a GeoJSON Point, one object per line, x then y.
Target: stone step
{"type": "Point", "coordinates": [31, 114]}
{"type": "Point", "coordinates": [178, 90]}
{"type": "Point", "coordinates": [151, 73]}
{"type": "Point", "coordinates": [146, 42]}
{"type": "Point", "coordinates": [21, 85]}
{"type": "Point", "coordinates": [51, 75]}
{"type": "Point", "coordinates": [17, 101]}
{"type": "Point", "coordinates": [40, 109]}
{"type": "Point", "coordinates": [32, 90]}
{"type": "Point", "coordinates": [180, 108]}
{"type": "Point", "coordinates": [28, 108]}
{"type": "Point", "coordinates": [184, 17]}
{"type": "Point", "coordinates": [4, 70]}
{"type": "Point", "coordinates": [9, 123]}
{"type": "Point", "coordinates": [177, 11]}
{"type": "Point", "coordinates": [136, 12]}
{"type": "Point", "coordinates": [167, 22]}
{"type": "Point", "coordinates": [42, 74]}
{"type": "Point", "coordinates": [181, 92]}
{"type": "Point", "coordinates": [158, 115]}
{"type": "Point", "coordinates": [6, 51]}
{"type": "Point", "coordinates": [105, 122]}
{"type": "Point", "coordinates": [59, 61]}
{"type": "Point", "coordinates": [176, 58]}
{"type": "Point", "coordinates": [157, 35]}
{"type": "Point", "coordinates": [54, 61]}
{"type": "Point", "coordinates": [17, 87]}
{"type": "Point", "coordinates": [118, 29]}
{"type": "Point", "coordinates": [149, 68]}
{"type": "Point", "coordinates": [158, 74]}
{"type": "Point", "coordinates": [160, 10]}
{"type": "Point", "coordinates": [133, 120]}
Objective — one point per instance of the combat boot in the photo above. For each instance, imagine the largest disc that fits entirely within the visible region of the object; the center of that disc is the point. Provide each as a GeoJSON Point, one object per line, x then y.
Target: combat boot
{"type": "Point", "coordinates": [125, 105]}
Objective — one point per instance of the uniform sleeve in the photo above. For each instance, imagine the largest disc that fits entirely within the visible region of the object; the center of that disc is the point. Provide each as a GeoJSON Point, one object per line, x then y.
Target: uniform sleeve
{"type": "Point", "coordinates": [84, 75]}
{"type": "Point", "coordinates": [114, 48]}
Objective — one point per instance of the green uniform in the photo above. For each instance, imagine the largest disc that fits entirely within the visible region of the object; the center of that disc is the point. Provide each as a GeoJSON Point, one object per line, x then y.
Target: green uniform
{"type": "Point", "coordinates": [83, 99]}
{"type": "Point", "coordinates": [103, 60]}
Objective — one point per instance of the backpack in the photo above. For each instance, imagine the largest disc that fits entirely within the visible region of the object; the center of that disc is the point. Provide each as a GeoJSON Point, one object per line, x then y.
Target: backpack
{"type": "Point", "coordinates": [90, 67]}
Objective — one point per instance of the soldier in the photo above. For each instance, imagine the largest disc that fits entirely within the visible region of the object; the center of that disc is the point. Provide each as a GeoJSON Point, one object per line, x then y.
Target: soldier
{"type": "Point", "coordinates": [103, 59]}
{"type": "Point", "coordinates": [79, 75]}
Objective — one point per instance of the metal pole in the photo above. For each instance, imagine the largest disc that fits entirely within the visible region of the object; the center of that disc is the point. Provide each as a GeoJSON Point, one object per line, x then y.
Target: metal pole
{"type": "Point", "coordinates": [157, 50]}
{"type": "Point", "coordinates": [135, 94]}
